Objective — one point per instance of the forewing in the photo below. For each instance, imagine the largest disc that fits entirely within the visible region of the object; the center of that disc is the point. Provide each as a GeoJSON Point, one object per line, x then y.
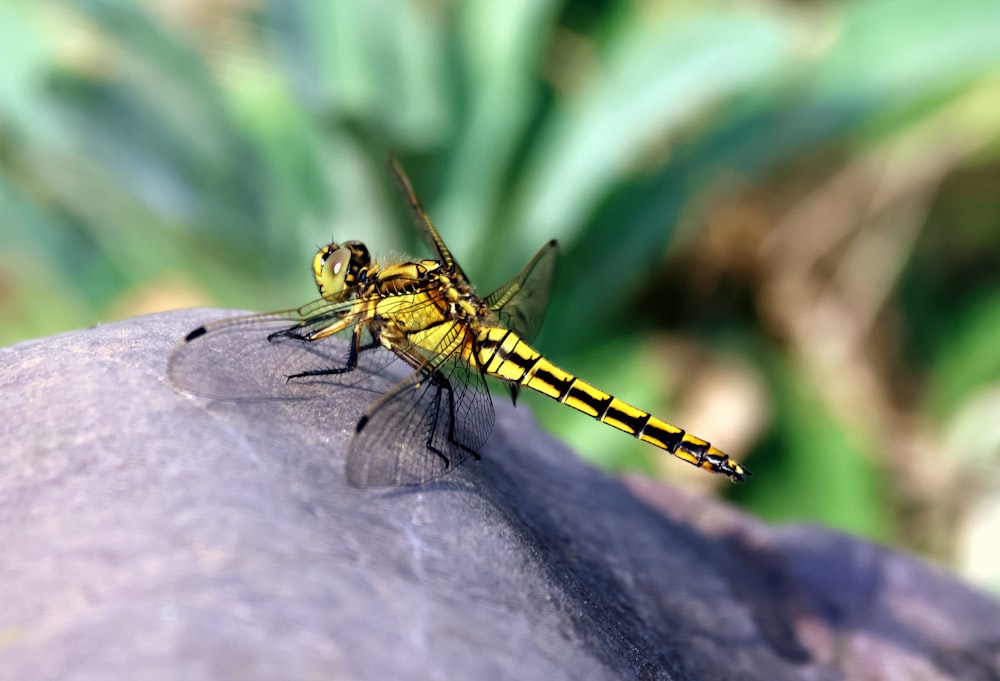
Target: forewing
{"type": "Point", "coordinates": [521, 302]}
{"type": "Point", "coordinates": [423, 428]}
{"type": "Point", "coordinates": [422, 221]}
{"type": "Point", "coordinates": [251, 357]}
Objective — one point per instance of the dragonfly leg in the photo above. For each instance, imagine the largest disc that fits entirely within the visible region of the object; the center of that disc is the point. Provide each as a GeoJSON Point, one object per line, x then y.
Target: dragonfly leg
{"type": "Point", "coordinates": [433, 426]}
{"type": "Point", "coordinates": [355, 349]}
{"type": "Point", "coordinates": [444, 385]}
{"type": "Point", "coordinates": [451, 423]}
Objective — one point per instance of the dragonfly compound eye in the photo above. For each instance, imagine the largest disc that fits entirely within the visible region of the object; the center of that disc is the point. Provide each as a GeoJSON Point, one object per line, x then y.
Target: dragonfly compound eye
{"type": "Point", "coordinates": [337, 268]}
{"type": "Point", "coordinates": [330, 267]}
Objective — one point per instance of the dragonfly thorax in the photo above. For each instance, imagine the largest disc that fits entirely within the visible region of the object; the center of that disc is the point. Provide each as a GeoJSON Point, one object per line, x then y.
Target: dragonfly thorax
{"type": "Point", "coordinates": [461, 297]}
{"type": "Point", "coordinates": [339, 268]}
{"type": "Point", "coordinates": [410, 286]}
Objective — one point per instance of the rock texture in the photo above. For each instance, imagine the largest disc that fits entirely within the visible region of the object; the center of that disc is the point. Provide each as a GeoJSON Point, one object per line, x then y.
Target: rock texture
{"type": "Point", "coordinates": [150, 534]}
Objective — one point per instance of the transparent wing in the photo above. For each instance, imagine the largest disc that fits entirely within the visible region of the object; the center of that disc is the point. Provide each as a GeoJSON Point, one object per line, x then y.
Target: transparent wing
{"type": "Point", "coordinates": [421, 220]}
{"type": "Point", "coordinates": [424, 427]}
{"type": "Point", "coordinates": [522, 301]}
{"type": "Point", "coordinates": [252, 357]}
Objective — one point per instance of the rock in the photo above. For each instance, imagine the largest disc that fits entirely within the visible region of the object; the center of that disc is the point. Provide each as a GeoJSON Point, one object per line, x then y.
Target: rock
{"type": "Point", "coordinates": [151, 534]}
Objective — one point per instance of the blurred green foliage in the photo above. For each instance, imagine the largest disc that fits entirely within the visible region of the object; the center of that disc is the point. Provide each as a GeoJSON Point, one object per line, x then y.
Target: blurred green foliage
{"type": "Point", "coordinates": [789, 209]}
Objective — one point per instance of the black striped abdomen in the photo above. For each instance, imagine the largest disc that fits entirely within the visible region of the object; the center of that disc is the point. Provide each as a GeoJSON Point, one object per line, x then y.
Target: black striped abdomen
{"type": "Point", "coordinates": [505, 356]}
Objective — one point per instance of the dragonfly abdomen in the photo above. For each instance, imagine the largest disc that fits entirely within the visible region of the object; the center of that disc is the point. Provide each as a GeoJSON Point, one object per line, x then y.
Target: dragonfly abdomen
{"type": "Point", "coordinates": [503, 355]}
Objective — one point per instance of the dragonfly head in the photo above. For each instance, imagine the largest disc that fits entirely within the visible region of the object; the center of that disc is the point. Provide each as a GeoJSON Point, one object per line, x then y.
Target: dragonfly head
{"type": "Point", "coordinates": [337, 268]}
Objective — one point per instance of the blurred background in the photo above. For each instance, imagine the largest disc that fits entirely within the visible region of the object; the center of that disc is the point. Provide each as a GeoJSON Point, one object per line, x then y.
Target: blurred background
{"type": "Point", "coordinates": [779, 221]}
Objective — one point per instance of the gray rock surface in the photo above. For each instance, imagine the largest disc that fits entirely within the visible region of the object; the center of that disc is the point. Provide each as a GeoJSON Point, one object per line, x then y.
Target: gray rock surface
{"type": "Point", "coordinates": [150, 534]}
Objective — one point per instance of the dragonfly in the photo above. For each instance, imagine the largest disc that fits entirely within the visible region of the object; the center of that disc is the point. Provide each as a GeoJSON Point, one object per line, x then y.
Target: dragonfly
{"type": "Point", "coordinates": [427, 314]}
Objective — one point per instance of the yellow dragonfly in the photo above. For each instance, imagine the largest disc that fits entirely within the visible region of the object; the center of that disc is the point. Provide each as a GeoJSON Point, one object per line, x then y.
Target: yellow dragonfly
{"type": "Point", "coordinates": [426, 313]}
